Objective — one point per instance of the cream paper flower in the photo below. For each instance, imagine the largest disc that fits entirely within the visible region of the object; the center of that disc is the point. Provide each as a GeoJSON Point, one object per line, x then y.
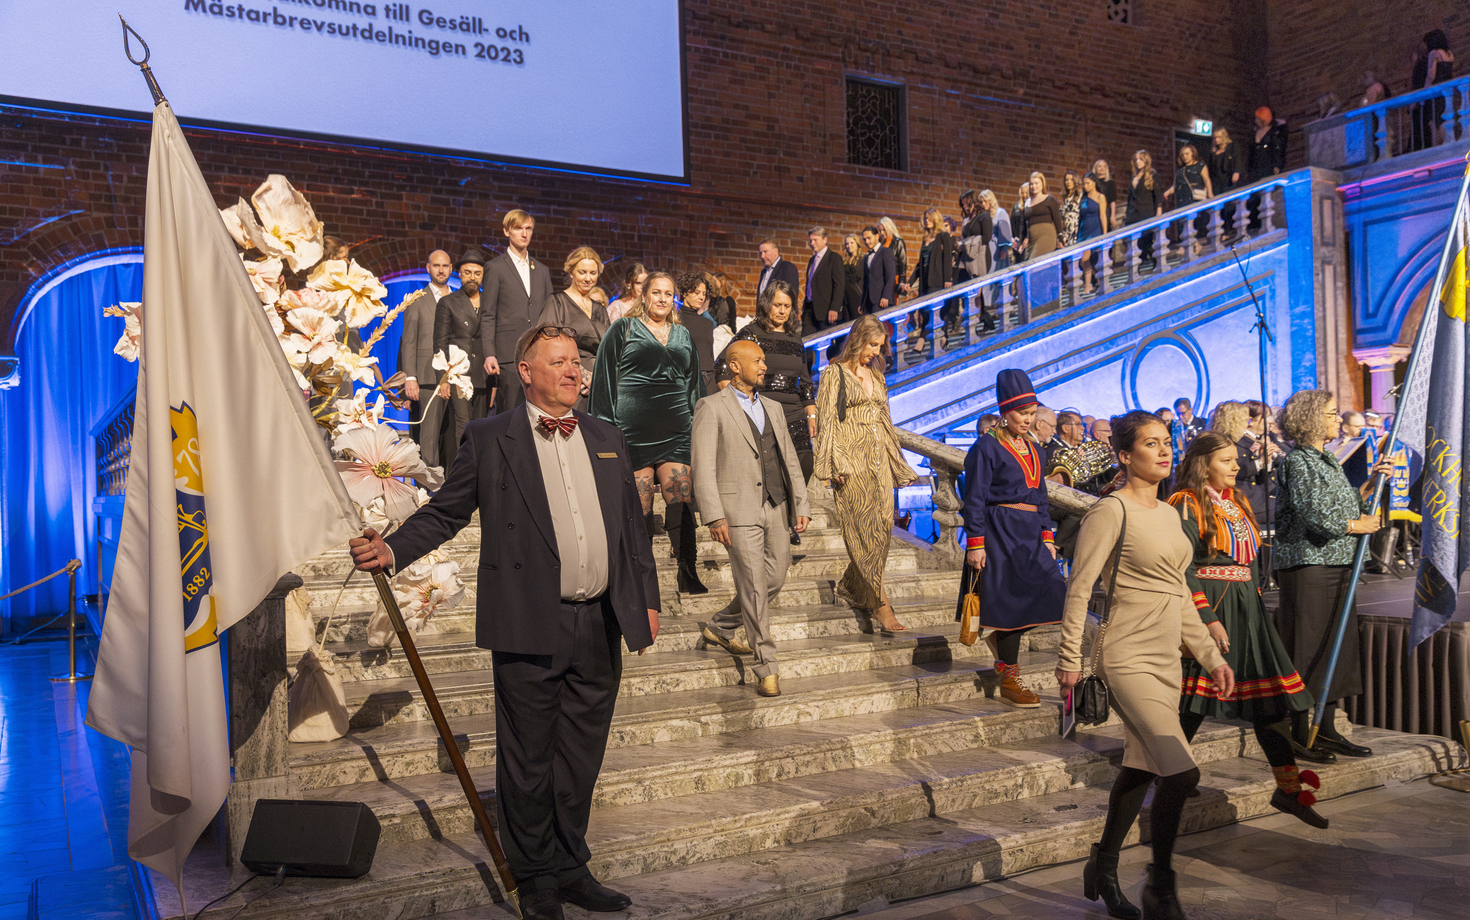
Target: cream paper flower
{"type": "Point", "coordinates": [312, 333]}
{"type": "Point", "coordinates": [354, 366]}
{"type": "Point", "coordinates": [377, 458]}
{"type": "Point", "coordinates": [265, 274]}
{"type": "Point", "coordinates": [427, 587]}
{"type": "Point", "coordinates": [457, 370]}
{"type": "Point", "coordinates": [356, 413]}
{"type": "Point", "coordinates": [273, 316]}
{"type": "Point", "coordinates": [130, 345]}
{"type": "Point", "coordinates": [353, 288]}
{"type": "Point", "coordinates": [241, 223]}
{"type": "Point", "coordinates": [288, 224]}
{"type": "Point", "coordinates": [298, 362]}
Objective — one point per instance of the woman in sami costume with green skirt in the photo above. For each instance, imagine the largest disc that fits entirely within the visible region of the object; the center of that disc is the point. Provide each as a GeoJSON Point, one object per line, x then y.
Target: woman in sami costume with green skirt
{"type": "Point", "coordinates": [1225, 580]}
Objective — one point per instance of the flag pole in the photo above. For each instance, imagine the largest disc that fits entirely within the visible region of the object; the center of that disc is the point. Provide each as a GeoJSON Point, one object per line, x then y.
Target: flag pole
{"type": "Point", "coordinates": [1376, 487]}
{"type": "Point", "coordinates": [482, 820]}
{"type": "Point", "coordinates": [405, 637]}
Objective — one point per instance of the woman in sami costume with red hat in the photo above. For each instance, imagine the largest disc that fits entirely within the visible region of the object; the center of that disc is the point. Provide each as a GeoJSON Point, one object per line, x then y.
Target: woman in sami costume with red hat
{"type": "Point", "coordinates": [1009, 545]}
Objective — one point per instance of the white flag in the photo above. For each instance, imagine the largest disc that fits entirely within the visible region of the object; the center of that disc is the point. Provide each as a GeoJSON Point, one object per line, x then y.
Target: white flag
{"type": "Point", "coordinates": [229, 487]}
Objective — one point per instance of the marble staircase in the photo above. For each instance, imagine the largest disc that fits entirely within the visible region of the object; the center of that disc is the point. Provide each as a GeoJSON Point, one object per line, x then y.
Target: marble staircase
{"type": "Point", "coordinates": [887, 768]}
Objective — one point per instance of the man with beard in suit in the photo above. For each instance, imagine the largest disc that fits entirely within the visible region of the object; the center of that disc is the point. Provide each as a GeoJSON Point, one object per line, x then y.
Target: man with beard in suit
{"type": "Point", "coordinates": [416, 356]}
{"type": "Point", "coordinates": [826, 281]}
{"type": "Point", "coordinates": [566, 577]}
{"type": "Point", "coordinates": [457, 321]}
{"type": "Point", "coordinates": [516, 288]}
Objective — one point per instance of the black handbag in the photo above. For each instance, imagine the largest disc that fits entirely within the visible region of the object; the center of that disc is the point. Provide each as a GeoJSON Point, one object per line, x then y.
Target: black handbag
{"type": "Point", "coordinates": [1090, 696]}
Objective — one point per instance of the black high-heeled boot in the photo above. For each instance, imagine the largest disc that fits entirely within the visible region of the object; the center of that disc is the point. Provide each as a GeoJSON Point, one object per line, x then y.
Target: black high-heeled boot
{"type": "Point", "coordinates": [1100, 880]}
{"type": "Point", "coordinates": [1161, 896]}
{"type": "Point", "coordinates": [683, 542]}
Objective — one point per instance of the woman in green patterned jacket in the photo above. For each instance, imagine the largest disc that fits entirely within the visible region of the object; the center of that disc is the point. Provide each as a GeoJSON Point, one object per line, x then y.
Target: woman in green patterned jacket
{"type": "Point", "coordinates": [1318, 516]}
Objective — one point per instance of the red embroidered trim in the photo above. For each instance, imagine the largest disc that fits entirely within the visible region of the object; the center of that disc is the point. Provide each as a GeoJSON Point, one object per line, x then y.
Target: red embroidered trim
{"type": "Point", "coordinates": [975, 543]}
{"type": "Point", "coordinates": [1030, 464]}
{"type": "Point", "coordinates": [1019, 397]}
{"type": "Point", "coordinates": [1048, 537]}
{"type": "Point", "coordinates": [1224, 572]}
{"type": "Point", "coordinates": [1261, 689]}
{"type": "Point", "coordinates": [1200, 601]}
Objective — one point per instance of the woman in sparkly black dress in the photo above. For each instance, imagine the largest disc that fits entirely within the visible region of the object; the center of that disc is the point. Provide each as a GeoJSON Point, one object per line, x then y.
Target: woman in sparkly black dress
{"type": "Point", "coordinates": [777, 330]}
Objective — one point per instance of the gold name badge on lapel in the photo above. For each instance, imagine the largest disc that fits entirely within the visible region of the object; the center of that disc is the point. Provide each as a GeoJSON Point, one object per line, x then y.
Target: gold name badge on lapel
{"type": "Point", "coordinates": [607, 456]}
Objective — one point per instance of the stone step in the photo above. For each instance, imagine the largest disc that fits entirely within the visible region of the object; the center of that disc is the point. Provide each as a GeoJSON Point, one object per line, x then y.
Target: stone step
{"type": "Point", "coordinates": [349, 621]}
{"type": "Point", "coordinates": [773, 873]}
{"type": "Point", "coordinates": [456, 651]}
{"type": "Point", "coordinates": [402, 746]}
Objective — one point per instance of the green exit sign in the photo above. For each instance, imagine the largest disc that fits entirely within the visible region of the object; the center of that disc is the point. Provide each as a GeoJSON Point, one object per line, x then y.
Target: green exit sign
{"type": "Point", "coordinates": [1202, 126]}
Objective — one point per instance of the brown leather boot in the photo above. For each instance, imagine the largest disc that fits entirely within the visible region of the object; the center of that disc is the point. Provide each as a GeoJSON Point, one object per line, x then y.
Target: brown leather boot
{"type": "Point", "coordinates": [1011, 688]}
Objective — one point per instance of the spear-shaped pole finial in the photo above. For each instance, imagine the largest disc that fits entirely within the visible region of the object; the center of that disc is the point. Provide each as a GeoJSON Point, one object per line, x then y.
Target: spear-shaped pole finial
{"type": "Point", "coordinates": [143, 64]}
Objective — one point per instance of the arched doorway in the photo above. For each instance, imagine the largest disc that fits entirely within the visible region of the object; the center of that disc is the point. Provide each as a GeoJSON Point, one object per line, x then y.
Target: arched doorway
{"type": "Point", "coordinates": [68, 379]}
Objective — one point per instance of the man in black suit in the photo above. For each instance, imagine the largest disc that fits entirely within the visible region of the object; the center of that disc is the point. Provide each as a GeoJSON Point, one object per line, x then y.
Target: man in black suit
{"type": "Point", "coordinates": [826, 283]}
{"type": "Point", "coordinates": [880, 277]}
{"type": "Point", "coordinates": [566, 570]}
{"type": "Point", "coordinates": [416, 356]}
{"type": "Point", "coordinates": [457, 322]}
{"type": "Point", "coordinates": [516, 288]}
{"type": "Point", "coordinates": [775, 268]}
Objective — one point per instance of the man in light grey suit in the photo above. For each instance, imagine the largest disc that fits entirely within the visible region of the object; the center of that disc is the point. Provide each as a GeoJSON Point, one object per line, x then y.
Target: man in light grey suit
{"type": "Point", "coordinates": [749, 490]}
{"type": "Point", "coordinates": [416, 356]}
{"type": "Point", "coordinates": [516, 288]}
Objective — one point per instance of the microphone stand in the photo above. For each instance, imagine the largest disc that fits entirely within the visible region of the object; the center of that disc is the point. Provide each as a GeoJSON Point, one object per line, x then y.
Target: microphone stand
{"type": "Point", "coordinates": [1266, 338]}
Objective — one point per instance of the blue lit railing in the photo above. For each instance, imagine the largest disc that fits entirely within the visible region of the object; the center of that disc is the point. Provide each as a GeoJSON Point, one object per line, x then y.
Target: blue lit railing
{"type": "Point", "coordinates": [1436, 116]}
{"type": "Point", "coordinates": [1015, 296]}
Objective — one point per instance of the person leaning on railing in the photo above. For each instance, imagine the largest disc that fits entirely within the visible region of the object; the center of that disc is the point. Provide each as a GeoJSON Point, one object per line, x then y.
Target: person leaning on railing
{"type": "Point", "coordinates": [1318, 515]}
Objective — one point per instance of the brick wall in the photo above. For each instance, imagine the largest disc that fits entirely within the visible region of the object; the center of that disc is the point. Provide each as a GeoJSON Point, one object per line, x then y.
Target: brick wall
{"type": "Point", "coordinates": [1326, 45]}
{"type": "Point", "coordinates": [995, 90]}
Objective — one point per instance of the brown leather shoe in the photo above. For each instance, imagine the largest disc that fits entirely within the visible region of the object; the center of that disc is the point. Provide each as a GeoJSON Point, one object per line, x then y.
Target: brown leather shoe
{"type": "Point", "coordinates": [769, 685]}
{"type": "Point", "coordinates": [1011, 688]}
{"type": "Point", "coordinates": [734, 646]}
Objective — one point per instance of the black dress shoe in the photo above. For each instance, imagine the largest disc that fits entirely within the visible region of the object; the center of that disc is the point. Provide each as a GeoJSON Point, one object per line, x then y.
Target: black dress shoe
{"type": "Point", "coordinates": [1314, 754]}
{"type": "Point", "coordinates": [1286, 802]}
{"type": "Point", "coordinates": [589, 894]}
{"type": "Point", "coordinates": [540, 904]}
{"type": "Point", "coordinates": [1340, 745]}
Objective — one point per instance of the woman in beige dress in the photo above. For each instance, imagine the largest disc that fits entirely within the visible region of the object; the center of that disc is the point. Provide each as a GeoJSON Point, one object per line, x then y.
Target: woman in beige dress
{"type": "Point", "coordinates": [577, 308]}
{"type": "Point", "coordinates": [1152, 612]}
{"type": "Point", "coordinates": [857, 450]}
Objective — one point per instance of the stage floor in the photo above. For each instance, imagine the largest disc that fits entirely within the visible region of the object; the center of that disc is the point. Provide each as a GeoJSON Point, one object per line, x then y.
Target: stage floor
{"type": "Point", "coordinates": [64, 796]}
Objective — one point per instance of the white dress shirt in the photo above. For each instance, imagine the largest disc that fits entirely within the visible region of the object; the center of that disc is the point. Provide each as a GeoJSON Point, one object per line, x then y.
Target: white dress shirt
{"type": "Point", "coordinates": [523, 268]}
{"type": "Point", "coordinates": [576, 512]}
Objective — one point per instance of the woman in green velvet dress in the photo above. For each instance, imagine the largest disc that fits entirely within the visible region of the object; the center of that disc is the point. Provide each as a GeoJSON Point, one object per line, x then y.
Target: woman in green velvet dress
{"type": "Point", "coordinates": [646, 382]}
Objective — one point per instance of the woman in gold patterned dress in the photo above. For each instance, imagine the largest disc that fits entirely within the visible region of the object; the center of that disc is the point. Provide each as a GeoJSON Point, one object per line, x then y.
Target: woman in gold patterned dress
{"type": "Point", "coordinates": [857, 449]}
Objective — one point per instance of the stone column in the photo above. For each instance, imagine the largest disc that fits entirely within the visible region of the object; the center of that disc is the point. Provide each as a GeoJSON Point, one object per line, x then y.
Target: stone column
{"type": "Point", "coordinates": [258, 721]}
{"type": "Point", "coordinates": [1381, 362]}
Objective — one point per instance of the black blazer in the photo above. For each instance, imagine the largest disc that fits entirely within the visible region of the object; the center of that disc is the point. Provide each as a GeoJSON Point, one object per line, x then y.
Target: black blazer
{"type": "Point", "coordinates": [825, 291]}
{"type": "Point", "coordinates": [701, 329]}
{"type": "Point", "coordinates": [783, 271]}
{"type": "Point", "coordinates": [941, 264]}
{"type": "Point", "coordinates": [498, 474]}
{"type": "Point", "coordinates": [457, 322]}
{"type": "Point", "coordinates": [879, 279]}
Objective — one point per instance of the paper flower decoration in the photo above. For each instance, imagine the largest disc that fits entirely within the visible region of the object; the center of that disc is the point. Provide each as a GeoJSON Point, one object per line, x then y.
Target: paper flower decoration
{"type": "Point", "coordinates": [287, 223]}
{"type": "Point", "coordinates": [312, 333]}
{"type": "Point", "coordinates": [265, 274]}
{"type": "Point", "coordinates": [457, 370]}
{"type": "Point", "coordinates": [426, 587]}
{"type": "Point", "coordinates": [131, 343]}
{"type": "Point", "coordinates": [378, 458]}
{"type": "Point", "coordinates": [356, 413]}
{"type": "Point", "coordinates": [354, 366]}
{"type": "Point", "coordinates": [352, 288]}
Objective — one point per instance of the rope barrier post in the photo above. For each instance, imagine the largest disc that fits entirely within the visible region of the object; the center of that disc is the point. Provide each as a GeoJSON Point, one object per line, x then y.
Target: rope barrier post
{"type": "Point", "coordinates": [71, 676]}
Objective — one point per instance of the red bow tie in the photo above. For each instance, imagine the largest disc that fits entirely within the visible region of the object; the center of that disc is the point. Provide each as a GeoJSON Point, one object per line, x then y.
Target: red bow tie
{"type": "Point", "coordinates": [566, 425]}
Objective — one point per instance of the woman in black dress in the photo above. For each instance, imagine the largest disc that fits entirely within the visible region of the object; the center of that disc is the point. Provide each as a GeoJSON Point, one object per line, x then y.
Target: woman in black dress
{"type": "Point", "coordinates": [777, 330]}
{"type": "Point", "coordinates": [1224, 165]}
{"type": "Point", "coordinates": [1191, 184]}
{"type": "Point", "coordinates": [1143, 202]}
{"type": "Point", "coordinates": [576, 309]}
{"type": "Point", "coordinates": [853, 267]}
{"type": "Point", "coordinates": [934, 272]}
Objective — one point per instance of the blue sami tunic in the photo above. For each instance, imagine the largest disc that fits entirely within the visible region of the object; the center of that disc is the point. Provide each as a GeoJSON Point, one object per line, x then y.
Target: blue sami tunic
{"type": "Point", "coordinates": [1021, 585]}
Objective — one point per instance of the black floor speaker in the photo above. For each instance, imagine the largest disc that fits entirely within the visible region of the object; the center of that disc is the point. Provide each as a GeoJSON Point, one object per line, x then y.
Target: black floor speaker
{"type": "Point", "coordinates": [320, 839]}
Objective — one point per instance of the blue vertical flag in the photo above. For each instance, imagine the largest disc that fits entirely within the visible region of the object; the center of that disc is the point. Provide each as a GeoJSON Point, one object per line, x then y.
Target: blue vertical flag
{"type": "Point", "coordinates": [1436, 393]}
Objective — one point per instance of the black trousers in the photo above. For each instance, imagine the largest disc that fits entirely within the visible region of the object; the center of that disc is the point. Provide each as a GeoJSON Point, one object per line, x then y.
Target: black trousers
{"type": "Point", "coordinates": [552, 715]}
{"type": "Point", "coordinates": [461, 413]}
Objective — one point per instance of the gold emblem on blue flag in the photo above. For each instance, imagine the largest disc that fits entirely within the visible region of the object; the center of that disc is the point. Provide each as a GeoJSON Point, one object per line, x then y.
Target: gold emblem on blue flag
{"type": "Point", "coordinates": [199, 622]}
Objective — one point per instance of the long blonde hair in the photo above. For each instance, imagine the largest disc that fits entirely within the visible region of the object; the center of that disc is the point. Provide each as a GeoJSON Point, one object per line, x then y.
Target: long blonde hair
{"type": "Point", "coordinates": [1147, 168]}
{"type": "Point", "coordinates": [867, 328]}
{"type": "Point", "coordinates": [1231, 419]}
{"type": "Point", "coordinates": [641, 307]}
{"type": "Point", "coordinates": [934, 227]}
